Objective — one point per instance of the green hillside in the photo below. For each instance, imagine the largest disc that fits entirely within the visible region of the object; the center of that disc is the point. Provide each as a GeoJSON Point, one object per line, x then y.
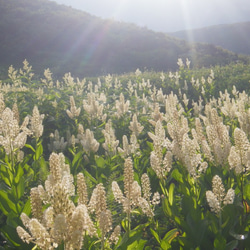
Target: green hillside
{"type": "Point", "coordinates": [233, 37]}
{"type": "Point", "coordinates": [68, 40]}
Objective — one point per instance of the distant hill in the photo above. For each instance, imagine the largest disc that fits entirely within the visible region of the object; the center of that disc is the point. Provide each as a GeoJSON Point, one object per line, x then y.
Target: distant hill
{"type": "Point", "coordinates": [233, 37]}
{"type": "Point", "coordinates": [69, 40]}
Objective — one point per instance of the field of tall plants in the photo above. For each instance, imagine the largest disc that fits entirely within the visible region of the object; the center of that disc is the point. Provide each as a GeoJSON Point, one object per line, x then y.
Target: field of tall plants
{"type": "Point", "coordinates": [139, 161]}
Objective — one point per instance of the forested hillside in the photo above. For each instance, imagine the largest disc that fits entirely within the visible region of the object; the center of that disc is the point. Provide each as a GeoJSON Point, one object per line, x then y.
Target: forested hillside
{"type": "Point", "coordinates": [234, 37]}
{"type": "Point", "coordinates": [68, 40]}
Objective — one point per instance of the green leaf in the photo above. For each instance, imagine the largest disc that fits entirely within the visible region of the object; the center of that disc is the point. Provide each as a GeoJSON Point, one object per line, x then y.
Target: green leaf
{"type": "Point", "coordinates": [124, 224]}
{"type": "Point", "coordinates": [39, 151]}
{"type": "Point", "coordinates": [247, 191]}
{"type": "Point", "coordinates": [139, 244]}
{"type": "Point", "coordinates": [27, 208]}
{"type": "Point", "coordinates": [43, 170]}
{"type": "Point", "coordinates": [225, 223]}
{"type": "Point", "coordinates": [104, 177]}
{"type": "Point", "coordinates": [136, 177]}
{"type": "Point", "coordinates": [6, 176]}
{"type": "Point", "coordinates": [150, 145]}
{"type": "Point", "coordinates": [195, 228]}
{"type": "Point", "coordinates": [113, 168]}
{"type": "Point", "coordinates": [100, 162]}
{"type": "Point", "coordinates": [6, 204]}
{"type": "Point", "coordinates": [29, 146]}
{"type": "Point", "coordinates": [134, 239]}
{"type": "Point", "coordinates": [29, 173]}
{"type": "Point", "coordinates": [12, 237]}
{"type": "Point", "coordinates": [19, 173]}
{"type": "Point", "coordinates": [146, 248]}
{"type": "Point", "coordinates": [170, 235]}
{"type": "Point", "coordinates": [155, 235]}
{"type": "Point", "coordinates": [177, 175]}
{"type": "Point", "coordinates": [177, 220]}
{"type": "Point", "coordinates": [220, 243]}
{"type": "Point", "coordinates": [20, 188]}
{"type": "Point", "coordinates": [76, 158]}
{"type": "Point", "coordinates": [88, 175]}
{"type": "Point", "coordinates": [232, 245]}
{"type": "Point", "coordinates": [124, 240]}
{"type": "Point", "coordinates": [165, 245]}
{"type": "Point", "coordinates": [3, 163]}
{"type": "Point", "coordinates": [4, 187]}
{"type": "Point", "coordinates": [13, 220]}
{"type": "Point", "coordinates": [164, 190]}
{"type": "Point", "coordinates": [171, 194]}
{"type": "Point", "coordinates": [166, 207]}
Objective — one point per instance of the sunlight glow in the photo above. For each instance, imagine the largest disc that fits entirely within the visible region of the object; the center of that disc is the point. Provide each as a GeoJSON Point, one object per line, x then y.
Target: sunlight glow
{"type": "Point", "coordinates": [119, 8]}
{"type": "Point", "coordinates": [186, 18]}
{"type": "Point", "coordinates": [167, 15]}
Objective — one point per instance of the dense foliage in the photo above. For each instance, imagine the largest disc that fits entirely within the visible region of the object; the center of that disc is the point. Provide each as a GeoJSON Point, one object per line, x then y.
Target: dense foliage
{"type": "Point", "coordinates": [125, 162]}
{"type": "Point", "coordinates": [67, 40]}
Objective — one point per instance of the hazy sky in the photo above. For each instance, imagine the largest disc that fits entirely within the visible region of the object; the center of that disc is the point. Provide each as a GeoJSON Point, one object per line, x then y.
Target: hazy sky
{"type": "Point", "coordinates": [167, 15]}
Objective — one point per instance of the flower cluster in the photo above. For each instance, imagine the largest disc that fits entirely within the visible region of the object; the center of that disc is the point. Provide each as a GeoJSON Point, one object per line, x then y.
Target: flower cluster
{"type": "Point", "coordinates": [93, 107]}
{"type": "Point", "coordinates": [239, 157]}
{"type": "Point", "coordinates": [88, 142]}
{"type": "Point", "coordinates": [132, 196]}
{"type": "Point", "coordinates": [160, 163]}
{"type": "Point", "coordinates": [128, 149]}
{"type": "Point", "coordinates": [57, 143]}
{"type": "Point", "coordinates": [12, 136]}
{"type": "Point", "coordinates": [110, 144]}
{"type": "Point", "coordinates": [217, 197]}
{"type": "Point", "coordinates": [61, 221]}
{"type": "Point", "coordinates": [135, 126]}
{"type": "Point", "coordinates": [36, 123]}
{"type": "Point", "coordinates": [121, 106]}
{"type": "Point", "coordinates": [74, 111]}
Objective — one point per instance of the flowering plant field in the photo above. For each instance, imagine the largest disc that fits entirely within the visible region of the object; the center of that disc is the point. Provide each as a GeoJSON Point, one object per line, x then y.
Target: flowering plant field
{"type": "Point", "coordinates": [124, 162]}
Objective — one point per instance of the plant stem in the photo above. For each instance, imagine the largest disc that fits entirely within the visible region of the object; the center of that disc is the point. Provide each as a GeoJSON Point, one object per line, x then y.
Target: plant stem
{"type": "Point", "coordinates": [242, 195]}
{"type": "Point", "coordinates": [128, 215]}
{"type": "Point", "coordinates": [102, 244]}
{"type": "Point", "coordinates": [220, 222]}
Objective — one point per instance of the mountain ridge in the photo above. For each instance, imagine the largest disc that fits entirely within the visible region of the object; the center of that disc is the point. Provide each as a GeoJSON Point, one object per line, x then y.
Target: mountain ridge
{"type": "Point", "coordinates": [234, 36]}
{"type": "Point", "coordinates": [63, 39]}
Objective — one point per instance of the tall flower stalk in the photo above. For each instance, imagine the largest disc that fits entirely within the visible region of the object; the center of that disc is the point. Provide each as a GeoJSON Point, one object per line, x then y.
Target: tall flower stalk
{"type": "Point", "coordinates": [217, 198]}
{"type": "Point", "coordinates": [12, 137]}
{"type": "Point", "coordinates": [61, 223]}
{"type": "Point", "coordinates": [133, 197]}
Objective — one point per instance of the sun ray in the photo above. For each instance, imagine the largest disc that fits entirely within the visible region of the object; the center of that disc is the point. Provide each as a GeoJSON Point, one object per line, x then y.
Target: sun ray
{"type": "Point", "coordinates": [186, 18]}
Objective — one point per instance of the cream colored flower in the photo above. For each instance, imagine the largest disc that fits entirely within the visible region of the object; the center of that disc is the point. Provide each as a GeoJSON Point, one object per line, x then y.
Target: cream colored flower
{"type": "Point", "coordinates": [110, 144]}
{"type": "Point", "coordinates": [122, 107]}
{"type": "Point", "coordinates": [217, 198]}
{"type": "Point", "coordinates": [74, 111]}
{"type": "Point", "coordinates": [82, 189]}
{"type": "Point", "coordinates": [132, 197]}
{"type": "Point", "coordinates": [135, 126]}
{"type": "Point", "coordinates": [60, 221]}
{"type": "Point", "coordinates": [12, 137]}
{"type": "Point", "coordinates": [36, 121]}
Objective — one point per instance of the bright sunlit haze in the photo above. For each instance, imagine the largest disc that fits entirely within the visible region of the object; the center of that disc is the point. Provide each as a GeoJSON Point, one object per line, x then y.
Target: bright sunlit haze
{"type": "Point", "coordinates": [167, 15]}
